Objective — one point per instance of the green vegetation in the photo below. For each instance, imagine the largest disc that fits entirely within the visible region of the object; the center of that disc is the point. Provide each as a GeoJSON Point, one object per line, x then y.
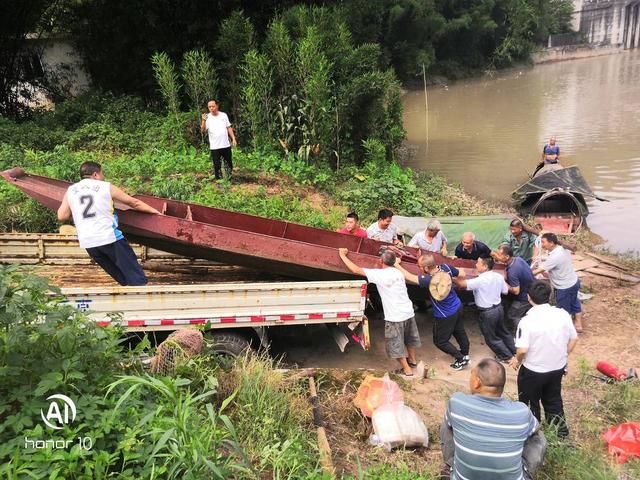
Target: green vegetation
{"type": "Point", "coordinates": [150, 153]}
{"type": "Point", "coordinates": [202, 423]}
{"type": "Point", "coordinates": [116, 39]}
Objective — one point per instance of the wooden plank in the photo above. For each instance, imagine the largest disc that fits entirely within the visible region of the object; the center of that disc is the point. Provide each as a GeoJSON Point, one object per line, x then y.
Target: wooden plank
{"type": "Point", "coordinates": [608, 261]}
{"type": "Point", "coordinates": [584, 264]}
{"type": "Point", "coordinates": [605, 272]}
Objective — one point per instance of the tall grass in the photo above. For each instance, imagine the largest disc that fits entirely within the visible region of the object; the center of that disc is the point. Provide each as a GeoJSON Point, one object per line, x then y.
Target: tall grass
{"type": "Point", "coordinates": [272, 419]}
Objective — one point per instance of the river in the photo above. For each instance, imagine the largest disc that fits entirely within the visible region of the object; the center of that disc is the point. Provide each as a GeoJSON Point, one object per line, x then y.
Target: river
{"type": "Point", "coordinates": [487, 133]}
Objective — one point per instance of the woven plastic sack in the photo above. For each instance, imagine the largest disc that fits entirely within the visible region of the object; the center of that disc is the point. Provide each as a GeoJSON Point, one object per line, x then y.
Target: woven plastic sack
{"type": "Point", "coordinates": [179, 346]}
{"type": "Point", "coordinates": [397, 425]}
{"type": "Point", "coordinates": [623, 441]}
{"type": "Point", "coordinates": [376, 391]}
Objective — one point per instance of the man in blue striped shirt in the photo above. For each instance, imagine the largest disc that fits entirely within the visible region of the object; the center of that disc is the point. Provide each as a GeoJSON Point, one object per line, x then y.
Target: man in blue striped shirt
{"type": "Point", "coordinates": [487, 437]}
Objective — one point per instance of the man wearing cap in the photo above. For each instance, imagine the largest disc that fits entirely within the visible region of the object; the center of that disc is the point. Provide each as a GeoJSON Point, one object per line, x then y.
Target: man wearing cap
{"type": "Point", "coordinates": [487, 289]}
{"type": "Point", "coordinates": [400, 330]}
{"type": "Point", "coordinates": [447, 307]}
{"type": "Point", "coordinates": [519, 277]}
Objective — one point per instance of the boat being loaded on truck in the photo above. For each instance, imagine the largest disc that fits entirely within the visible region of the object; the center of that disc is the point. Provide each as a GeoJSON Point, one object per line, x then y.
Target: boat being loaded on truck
{"type": "Point", "coordinates": [196, 231]}
{"type": "Point", "coordinates": [556, 197]}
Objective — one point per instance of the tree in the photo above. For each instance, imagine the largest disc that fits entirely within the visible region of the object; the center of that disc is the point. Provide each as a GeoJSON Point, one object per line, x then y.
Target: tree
{"type": "Point", "coordinates": [236, 39]}
{"type": "Point", "coordinates": [200, 79]}
{"type": "Point", "coordinates": [257, 85]}
{"type": "Point", "coordinates": [21, 74]}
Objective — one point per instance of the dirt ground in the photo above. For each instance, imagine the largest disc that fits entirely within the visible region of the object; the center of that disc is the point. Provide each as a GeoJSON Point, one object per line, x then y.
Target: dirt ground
{"type": "Point", "coordinates": [612, 329]}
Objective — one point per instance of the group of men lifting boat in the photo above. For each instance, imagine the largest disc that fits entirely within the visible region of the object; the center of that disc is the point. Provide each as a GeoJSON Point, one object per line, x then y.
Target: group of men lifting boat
{"type": "Point", "coordinates": [535, 338]}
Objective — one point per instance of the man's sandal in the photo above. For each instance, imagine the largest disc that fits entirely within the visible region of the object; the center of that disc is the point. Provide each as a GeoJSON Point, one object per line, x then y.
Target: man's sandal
{"type": "Point", "coordinates": [400, 371]}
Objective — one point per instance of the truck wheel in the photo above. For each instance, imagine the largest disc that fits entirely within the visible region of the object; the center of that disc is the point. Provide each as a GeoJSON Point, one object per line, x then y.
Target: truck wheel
{"type": "Point", "coordinates": [229, 344]}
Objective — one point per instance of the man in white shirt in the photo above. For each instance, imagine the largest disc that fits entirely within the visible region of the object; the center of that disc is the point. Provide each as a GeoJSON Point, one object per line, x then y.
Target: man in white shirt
{"type": "Point", "coordinates": [90, 202]}
{"type": "Point", "coordinates": [217, 125]}
{"type": "Point", "coordinates": [563, 277]}
{"type": "Point", "coordinates": [400, 330]}
{"type": "Point", "coordinates": [431, 239]}
{"type": "Point", "coordinates": [382, 229]}
{"type": "Point", "coordinates": [545, 338]}
{"type": "Point", "coordinates": [488, 289]}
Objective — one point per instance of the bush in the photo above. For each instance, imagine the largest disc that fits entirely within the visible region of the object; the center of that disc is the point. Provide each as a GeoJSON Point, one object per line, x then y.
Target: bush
{"type": "Point", "coordinates": [143, 428]}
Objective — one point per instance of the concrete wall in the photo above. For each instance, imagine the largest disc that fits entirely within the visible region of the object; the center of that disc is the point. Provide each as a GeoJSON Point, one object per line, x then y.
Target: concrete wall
{"type": "Point", "coordinates": [608, 22]}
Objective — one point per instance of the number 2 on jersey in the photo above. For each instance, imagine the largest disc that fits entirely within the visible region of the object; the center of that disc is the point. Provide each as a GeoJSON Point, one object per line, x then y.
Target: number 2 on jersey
{"type": "Point", "coordinates": [88, 199]}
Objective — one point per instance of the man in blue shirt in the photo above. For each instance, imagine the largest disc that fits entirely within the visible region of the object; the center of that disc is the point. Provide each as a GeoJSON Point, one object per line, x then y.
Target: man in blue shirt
{"type": "Point", "coordinates": [487, 437]}
{"type": "Point", "coordinates": [551, 152]}
{"type": "Point", "coordinates": [471, 249]}
{"type": "Point", "coordinates": [447, 307]}
{"type": "Point", "coordinates": [519, 277]}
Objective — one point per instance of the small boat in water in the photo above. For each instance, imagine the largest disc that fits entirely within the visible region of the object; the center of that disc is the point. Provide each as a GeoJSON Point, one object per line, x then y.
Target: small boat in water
{"type": "Point", "coordinates": [556, 197]}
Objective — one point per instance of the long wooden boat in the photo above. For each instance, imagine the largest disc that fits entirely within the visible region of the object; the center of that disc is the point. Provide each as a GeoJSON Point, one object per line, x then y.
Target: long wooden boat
{"type": "Point", "coordinates": [197, 231]}
{"type": "Point", "coordinates": [556, 196]}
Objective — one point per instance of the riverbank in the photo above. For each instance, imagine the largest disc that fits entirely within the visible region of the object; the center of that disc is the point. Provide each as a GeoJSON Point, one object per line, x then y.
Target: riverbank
{"type": "Point", "coordinates": [144, 152]}
{"type": "Point", "coordinates": [573, 52]}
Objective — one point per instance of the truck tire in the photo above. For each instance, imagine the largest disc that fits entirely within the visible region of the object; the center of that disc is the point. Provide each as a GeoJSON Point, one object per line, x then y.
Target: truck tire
{"type": "Point", "coordinates": [229, 344]}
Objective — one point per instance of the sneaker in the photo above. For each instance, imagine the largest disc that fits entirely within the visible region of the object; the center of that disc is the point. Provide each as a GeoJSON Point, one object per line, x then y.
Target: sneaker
{"type": "Point", "coordinates": [466, 360]}
{"type": "Point", "coordinates": [458, 365]}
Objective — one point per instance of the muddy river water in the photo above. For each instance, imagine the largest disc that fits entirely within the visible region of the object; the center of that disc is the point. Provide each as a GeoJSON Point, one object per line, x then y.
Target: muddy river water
{"type": "Point", "coordinates": [487, 133]}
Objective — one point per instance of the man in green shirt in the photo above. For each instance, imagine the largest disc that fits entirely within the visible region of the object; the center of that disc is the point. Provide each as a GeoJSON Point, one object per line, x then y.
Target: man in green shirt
{"type": "Point", "coordinates": [522, 243]}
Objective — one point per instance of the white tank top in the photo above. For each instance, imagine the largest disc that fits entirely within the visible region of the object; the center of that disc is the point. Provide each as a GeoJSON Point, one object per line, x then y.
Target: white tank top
{"type": "Point", "coordinates": [93, 214]}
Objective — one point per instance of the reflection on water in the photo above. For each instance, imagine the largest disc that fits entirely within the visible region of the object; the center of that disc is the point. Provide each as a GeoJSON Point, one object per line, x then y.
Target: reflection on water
{"type": "Point", "coordinates": [487, 134]}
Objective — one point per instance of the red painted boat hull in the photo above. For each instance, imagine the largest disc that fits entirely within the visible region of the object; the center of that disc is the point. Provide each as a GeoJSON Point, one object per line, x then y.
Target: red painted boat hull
{"type": "Point", "coordinates": [234, 238]}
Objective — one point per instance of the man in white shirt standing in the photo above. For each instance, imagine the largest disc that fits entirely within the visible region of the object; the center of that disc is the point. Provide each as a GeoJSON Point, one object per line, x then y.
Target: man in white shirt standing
{"type": "Point", "coordinates": [563, 277]}
{"type": "Point", "coordinates": [545, 338]}
{"type": "Point", "coordinates": [400, 330]}
{"type": "Point", "coordinates": [217, 125]}
{"type": "Point", "coordinates": [90, 202]}
{"type": "Point", "coordinates": [488, 289]}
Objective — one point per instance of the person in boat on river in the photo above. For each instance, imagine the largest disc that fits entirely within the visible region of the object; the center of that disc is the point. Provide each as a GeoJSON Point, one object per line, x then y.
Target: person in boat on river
{"type": "Point", "coordinates": [383, 230]}
{"type": "Point", "coordinates": [521, 242]}
{"type": "Point", "coordinates": [431, 239]}
{"type": "Point", "coordinates": [471, 249]}
{"type": "Point", "coordinates": [551, 152]}
{"type": "Point", "coordinates": [90, 202]}
{"type": "Point", "coordinates": [447, 307]}
{"type": "Point", "coordinates": [400, 330]}
{"type": "Point", "coordinates": [563, 277]}
{"type": "Point", "coordinates": [352, 226]}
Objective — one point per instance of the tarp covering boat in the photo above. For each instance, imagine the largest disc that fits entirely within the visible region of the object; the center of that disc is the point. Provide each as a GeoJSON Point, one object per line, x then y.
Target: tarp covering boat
{"type": "Point", "coordinates": [555, 189]}
{"type": "Point", "coordinates": [234, 238]}
{"type": "Point", "coordinates": [489, 229]}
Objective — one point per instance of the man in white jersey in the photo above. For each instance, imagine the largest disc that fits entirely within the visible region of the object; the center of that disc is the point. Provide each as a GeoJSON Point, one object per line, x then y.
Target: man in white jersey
{"type": "Point", "coordinates": [217, 125]}
{"type": "Point", "coordinates": [90, 202]}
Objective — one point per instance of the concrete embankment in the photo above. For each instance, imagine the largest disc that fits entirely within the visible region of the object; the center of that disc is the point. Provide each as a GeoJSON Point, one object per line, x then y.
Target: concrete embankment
{"type": "Point", "coordinates": [573, 52]}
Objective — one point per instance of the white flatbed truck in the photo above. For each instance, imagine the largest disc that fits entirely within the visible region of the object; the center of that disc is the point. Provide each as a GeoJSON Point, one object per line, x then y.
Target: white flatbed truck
{"type": "Point", "coordinates": [234, 315]}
